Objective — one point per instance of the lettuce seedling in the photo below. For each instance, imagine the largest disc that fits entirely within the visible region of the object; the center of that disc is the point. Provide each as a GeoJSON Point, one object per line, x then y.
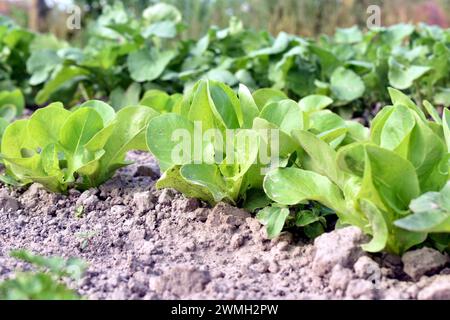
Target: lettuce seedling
{"type": "Point", "coordinates": [82, 148]}
{"type": "Point", "coordinates": [226, 163]}
{"type": "Point", "coordinates": [224, 139]}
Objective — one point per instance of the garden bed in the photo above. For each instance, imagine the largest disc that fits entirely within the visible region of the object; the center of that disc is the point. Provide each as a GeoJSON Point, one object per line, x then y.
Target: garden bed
{"type": "Point", "coordinates": [143, 243]}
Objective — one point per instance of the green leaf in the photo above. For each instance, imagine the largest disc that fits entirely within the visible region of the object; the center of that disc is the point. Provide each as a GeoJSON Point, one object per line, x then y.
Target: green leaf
{"type": "Point", "coordinates": [346, 85]}
{"type": "Point", "coordinates": [202, 108]}
{"type": "Point", "coordinates": [45, 131]}
{"type": "Point", "coordinates": [433, 221]}
{"type": "Point", "coordinates": [3, 125]}
{"type": "Point", "coordinates": [72, 267]}
{"type": "Point", "coordinates": [431, 213]}
{"type": "Point", "coordinates": [333, 137]}
{"type": "Point", "coordinates": [348, 35]}
{"type": "Point", "coordinates": [290, 186]}
{"type": "Point", "coordinates": [248, 106]}
{"type": "Point", "coordinates": [160, 101]}
{"type": "Point", "coordinates": [129, 134]}
{"type": "Point", "coordinates": [268, 131]}
{"type": "Point", "coordinates": [99, 140]}
{"type": "Point", "coordinates": [313, 230]}
{"type": "Point", "coordinates": [50, 161]}
{"type": "Point", "coordinates": [148, 64]}
{"type": "Point", "coordinates": [279, 45]}
{"type": "Point", "coordinates": [399, 97]}
{"type": "Point", "coordinates": [428, 154]}
{"type": "Point", "coordinates": [35, 286]}
{"type": "Point", "coordinates": [209, 177]}
{"type": "Point", "coordinates": [170, 138]}
{"type": "Point", "coordinates": [378, 226]}
{"type": "Point", "coordinates": [306, 217]}
{"type": "Point", "coordinates": [266, 95]}
{"type": "Point", "coordinates": [104, 110]}
{"type": "Point", "coordinates": [15, 98]}
{"type": "Point", "coordinates": [8, 112]}
{"type": "Point", "coordinates": [40, 65]}
{"type": "Point", "coordinates": [286, 114]}
{"type": "Point", "coordinates": [120, 98]}
{"type": "Point", "coordinates": [225, 104]}
{"type": "Point", "coordinates": [15, 138]}
{"type": "Point", "coordinates": [396, 184]}
{"type": "Point", "coordinates": [442, 97]}
{"type": "Point", "coordinates": [328, 61]}
{"type": "Point", "coordinates": [255, 199]}
{"type": "Point", "coordinates": [324, 121]}
{"type": "Point", "coordinates": [45, 284]}
{"type": "Point", "coordinates": [65, 75]}
{"type": "Point", "coordinates": [78, 129]}
{"type": "Point", "coordinates": [273, 218]}
{"type": "Point", "coordinates": [446, 127]}
{"type": "Point", "coordinates": [402, 76]}
{"type": "Point", "coordinates": [397, 129]}
{"type": "Point", "coordinates": [162, 29]}
{"type": "Point", "coordinates": [432, 112]}
{"type": "Point", "coordinates": [322, 158]}
{"type": "Point", "coordinates": [161, 12]}
{"type": "Point", "coordinates": [314, 103]}
{"type": "Point", "coordinates": [172, 178]}
{"type": "Point", "coordinates": [220, 75]}
{"type": "Point", "coordinates": [246, 148]}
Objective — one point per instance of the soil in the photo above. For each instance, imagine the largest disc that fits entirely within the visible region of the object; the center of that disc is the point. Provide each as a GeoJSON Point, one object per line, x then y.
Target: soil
{"type": "Point", "coordinates": [143, 243]}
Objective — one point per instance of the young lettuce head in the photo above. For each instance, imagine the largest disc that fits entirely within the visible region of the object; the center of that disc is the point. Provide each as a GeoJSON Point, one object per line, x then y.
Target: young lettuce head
{"type": "Point", "coordinates": [81, 148]}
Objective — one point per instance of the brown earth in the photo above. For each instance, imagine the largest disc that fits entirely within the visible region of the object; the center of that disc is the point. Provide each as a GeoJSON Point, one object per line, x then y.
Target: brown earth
{"type": "Point", "coordinates": [142, 243]}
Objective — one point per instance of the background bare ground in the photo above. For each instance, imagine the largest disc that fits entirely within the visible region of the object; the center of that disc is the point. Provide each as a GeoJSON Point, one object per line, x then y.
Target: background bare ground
{"type": "Point", "coordinates": [142, 243]}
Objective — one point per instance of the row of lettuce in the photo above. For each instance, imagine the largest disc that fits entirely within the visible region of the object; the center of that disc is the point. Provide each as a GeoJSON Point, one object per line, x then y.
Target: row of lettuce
{"type": "Point", "coordinates": [126, 56]}
{"type": "Point", "coordinates": [390, 180]}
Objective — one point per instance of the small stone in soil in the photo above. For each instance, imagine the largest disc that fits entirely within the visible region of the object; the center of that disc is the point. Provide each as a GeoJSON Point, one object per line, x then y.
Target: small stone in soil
{"type": "Point", "coordinates": [146, 171]}
{"type": "Point", "coordinates": [367, 269]}
{"type": "Point", "coordinates": [7, 203]}
{"type": "Point", "coordinates": [439, 289]}
{"type": "Point", "coordinates": [417, 263]}
{"type": "Point", "coordinates": [166, 196]}
{"type": "Point", "coordinates": [342, 246]}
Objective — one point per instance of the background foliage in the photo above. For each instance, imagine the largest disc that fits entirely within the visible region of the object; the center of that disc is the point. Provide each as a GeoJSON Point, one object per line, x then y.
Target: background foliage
{"type": "Point", "coordinates": [303, 17]}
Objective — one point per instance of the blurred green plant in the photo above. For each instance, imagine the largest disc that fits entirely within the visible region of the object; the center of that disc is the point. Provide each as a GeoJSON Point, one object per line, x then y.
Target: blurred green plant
{"type": "Point", "coordinates": [127, 55]}
{"type": "Point", "coordinates": [45, 284]}
{"type": "Point", "coordinates": [305, 17]}
{"type": "Point", "coordinates": [12, 104]}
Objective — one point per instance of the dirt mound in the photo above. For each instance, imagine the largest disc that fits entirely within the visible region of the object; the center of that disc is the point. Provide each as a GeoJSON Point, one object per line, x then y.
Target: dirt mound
{"type": "Point", "coordinates": [142, 243]}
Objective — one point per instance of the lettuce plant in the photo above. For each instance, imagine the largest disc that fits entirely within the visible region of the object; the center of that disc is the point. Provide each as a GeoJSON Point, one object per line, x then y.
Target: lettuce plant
{"type": "Point", "coordinates": [371, 183]}
{"type": "Point", "coordinates": [82, 148]}
{"type": "Point", "coordinates": [204, 170]}
{"type": "Point", "coordinates": [212, 170]}
{"type": "Point", "coordinates": [15, 47]}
